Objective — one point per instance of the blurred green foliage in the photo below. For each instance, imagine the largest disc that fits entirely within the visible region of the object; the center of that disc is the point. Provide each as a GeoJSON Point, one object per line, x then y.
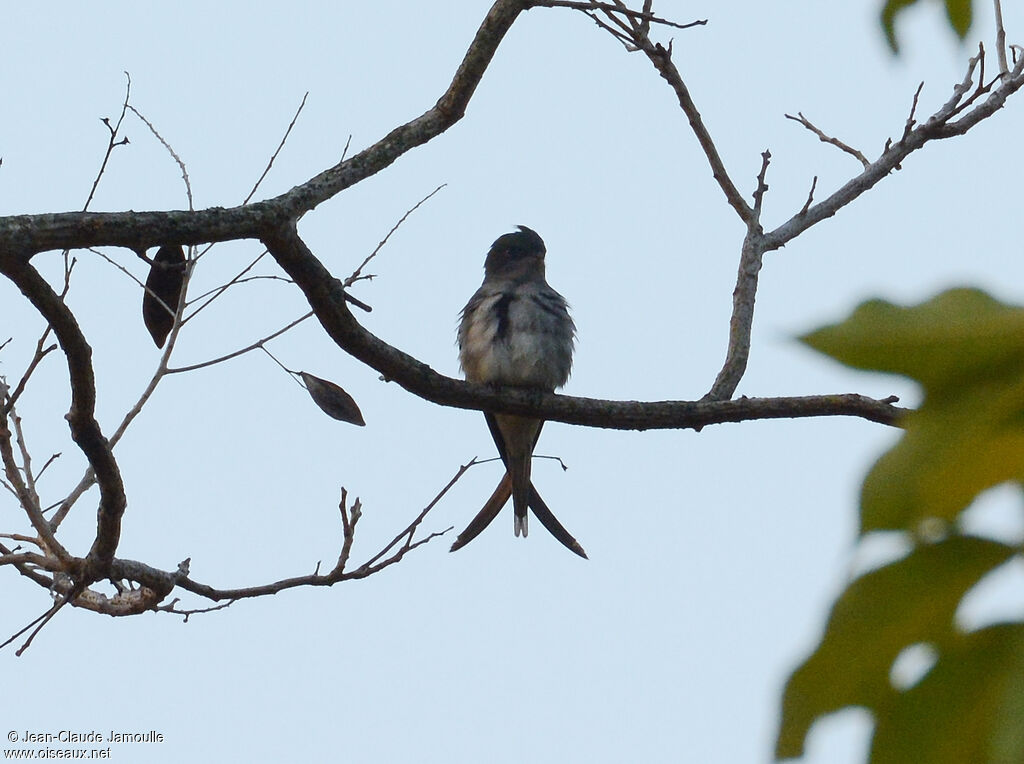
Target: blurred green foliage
{"type": "Point", "coordinates": [966, 350]}
{"type": "Point", "coordinates": [958, 12]}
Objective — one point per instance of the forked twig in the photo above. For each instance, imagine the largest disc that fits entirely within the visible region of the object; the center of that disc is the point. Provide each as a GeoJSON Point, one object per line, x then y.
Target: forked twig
{"type": "Point", "coordinates": [112, 143]}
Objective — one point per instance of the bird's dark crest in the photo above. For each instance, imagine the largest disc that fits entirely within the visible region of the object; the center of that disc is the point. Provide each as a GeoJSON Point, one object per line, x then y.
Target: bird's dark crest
{"type": "Point", "coordinates": [512, 246]}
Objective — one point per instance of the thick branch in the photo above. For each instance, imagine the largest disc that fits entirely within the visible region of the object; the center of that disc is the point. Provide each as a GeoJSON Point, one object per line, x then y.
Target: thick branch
{"type": "Point", "coordinates": [85, 430]}
{"type": "Point", "coordinates": [326, 297]}
{"type": "Point", "coordinates": [741, 321]}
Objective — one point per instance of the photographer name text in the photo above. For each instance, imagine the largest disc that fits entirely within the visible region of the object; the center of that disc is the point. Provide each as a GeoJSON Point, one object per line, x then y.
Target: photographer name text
{"type": "Point", "coordinates": [70, 736]}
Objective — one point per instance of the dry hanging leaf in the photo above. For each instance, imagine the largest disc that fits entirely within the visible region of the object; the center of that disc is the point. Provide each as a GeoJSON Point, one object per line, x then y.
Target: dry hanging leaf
{"type": "Point", "coordinates": [334, 401]}
{"type": "Point", "coordinates": [166, 276]}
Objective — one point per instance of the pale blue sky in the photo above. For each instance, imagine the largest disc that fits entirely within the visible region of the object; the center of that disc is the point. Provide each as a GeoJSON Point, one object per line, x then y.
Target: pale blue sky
{"type": "Point", "coordinates": [713, 556]}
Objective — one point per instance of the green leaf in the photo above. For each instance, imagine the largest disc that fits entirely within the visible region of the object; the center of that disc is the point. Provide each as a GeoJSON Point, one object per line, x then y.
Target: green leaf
{"type": "Point", "coordinates": [966, 350]}
{"type": "Point", "coordinates": [966, 709]}
{"type": "Point", "coordinates": [888, 16]}
{"type": "Point", "coordinates": [1007, 734]}
{"type": "Point", "coordinates": [953, 339]}
{"type": "Point", "coordinates": [959, 14]}
{"type": "Point", "coordinates": [881, 613]}
{"type": "Point", "coordinates": [945, 459]}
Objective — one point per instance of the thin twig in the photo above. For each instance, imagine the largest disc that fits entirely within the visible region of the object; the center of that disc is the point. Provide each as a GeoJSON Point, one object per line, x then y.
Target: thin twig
{"type": "Point", "coordinates": [27, 498]}
{"type": "Point", "coordinates": [26, 463]}
{"type": "Point", "coordinates": [810, 197]}
{"type": "Point", "coordinates": [39, 623]}
{"type": "Point", "coordinates": [762, 186]}
{"type": "Point", "coordinates": [37, 358]}
{"type": "Point", "coordinates": [22, 538]}
{"type": "Point", "coordinates": [170, 608]}
{"type": "Point", "coordinates": [277, 151]}
{"type": "Point", "coordinates": [125, 271]}
{"type": "Point", "coordinates": [235, 280]}
{"type": "Point", "coordinates": [248, 348]}
{"type": "Point", "coordinates": [356, 273]}
{"type": "Point", "coordinates": [661, 57]}
{"type": "Point", "coordinates": [47, 463]}
{"type": "Point", "coordinates": [295, 376]}
{"type": "Point", "coordinates": [27, 563]}
{"type": "Point", "coordinates": [911, 118]}
{"type": "Point", "coordinates": [171, 151]}
{"type": "Point", "coordinates": [348, 529]}
{"type": "Point", "coordinates": [617, 8]}
{"type": "Point", "coordinates": [112, 143]}
{"type": "Point", "coordinates": [218, 291]}
{"type": "Point", "coordinates": [411, 528]}
{"type": "Point", "coordinates": [611, 14]}
{"type": "Point", "coordinates": [625, 39]}
{"type": "Point", "coordinates": [828, 138]}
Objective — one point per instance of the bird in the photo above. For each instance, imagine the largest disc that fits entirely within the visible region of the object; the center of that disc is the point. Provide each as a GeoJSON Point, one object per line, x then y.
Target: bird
{"type": "Point", "coordinates": [516, 331]}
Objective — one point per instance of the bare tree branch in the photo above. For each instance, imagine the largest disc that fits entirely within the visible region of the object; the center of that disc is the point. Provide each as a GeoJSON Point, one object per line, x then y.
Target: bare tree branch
{"type": "Point", "coordinates": [828, 138]}
{"type": "Point", "coordinates": [938, 126]}
{"type": "Point", "coordinates": [387, 556]}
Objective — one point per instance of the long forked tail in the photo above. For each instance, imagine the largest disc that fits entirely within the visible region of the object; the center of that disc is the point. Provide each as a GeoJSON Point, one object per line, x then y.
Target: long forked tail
{"type": "Point", "coordinates": [498, 500]}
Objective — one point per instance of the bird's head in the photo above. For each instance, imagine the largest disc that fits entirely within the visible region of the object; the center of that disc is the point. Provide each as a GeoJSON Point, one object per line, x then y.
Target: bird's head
{"type": "Point", "coordinates": [518, 256]}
